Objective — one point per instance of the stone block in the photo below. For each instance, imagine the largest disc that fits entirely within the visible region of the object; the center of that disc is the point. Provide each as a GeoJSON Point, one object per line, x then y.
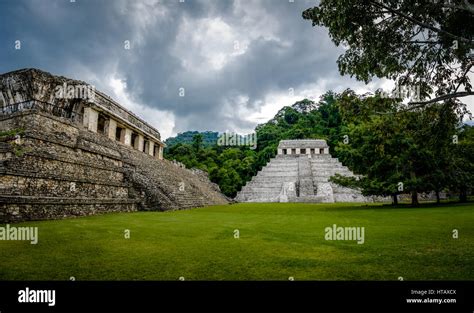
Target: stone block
{"type": "Point", "coordinates": [127, 137]}
{"type": "Point", "coordinates": [111, 128]}
{"type": "Point", "coordinates": [90, 119]}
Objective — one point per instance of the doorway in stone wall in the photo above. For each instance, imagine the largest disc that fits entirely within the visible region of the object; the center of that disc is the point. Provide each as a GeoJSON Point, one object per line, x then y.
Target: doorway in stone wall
{"type": "Point", "coordinates": [120, 134]}
{"type": "Point", "coordinates": [101, 122]}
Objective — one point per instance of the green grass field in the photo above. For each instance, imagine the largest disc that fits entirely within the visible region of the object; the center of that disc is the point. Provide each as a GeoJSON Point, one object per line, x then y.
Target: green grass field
{"type": "Point", "coordinates": [277, 241]}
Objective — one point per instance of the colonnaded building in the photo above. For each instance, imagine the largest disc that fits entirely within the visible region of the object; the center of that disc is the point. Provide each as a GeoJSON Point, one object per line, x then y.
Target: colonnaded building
{"type": "Point", "coordinates": [300, 173]}
{"type": "Point", "coordinates": [67, 149]}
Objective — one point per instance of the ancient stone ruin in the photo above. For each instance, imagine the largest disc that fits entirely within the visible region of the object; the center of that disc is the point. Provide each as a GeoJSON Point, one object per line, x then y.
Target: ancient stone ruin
{"type": "Point", "coordinates": [300, 173]}
{"type": "Point", "coordinates": [67, 149]}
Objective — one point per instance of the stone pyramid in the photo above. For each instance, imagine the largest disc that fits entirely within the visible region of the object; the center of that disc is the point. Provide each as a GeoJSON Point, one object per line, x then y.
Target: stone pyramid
{"type": "Point", "coordinates": [300, 173]}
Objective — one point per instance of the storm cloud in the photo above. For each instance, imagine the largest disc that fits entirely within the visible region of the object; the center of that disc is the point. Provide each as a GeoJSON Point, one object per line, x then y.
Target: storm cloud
{"type": "Point", "coordinates": [193, 65]}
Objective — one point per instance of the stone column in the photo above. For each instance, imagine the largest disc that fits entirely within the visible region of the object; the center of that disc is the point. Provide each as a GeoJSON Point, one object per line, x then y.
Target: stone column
{"type": "Point", "coordinates": [298, 151]}
{"type": "Point", "coordinates": [90, 119]}
{"type": "Point", "coordinates": [280, 151]}
{"type": "Point", "coordinates": [326, 150]}
{"type": "Point", "coordinates": [127, 137]}
{"type": "Point", "coordinates": [151, 147]}
{"type": "Point", "coordinates": [139, 141]}
{"type": "Point", "coordinates": [160, 153]}
{"type": "Point", "coordinates": [85, 118]}
{"type": "Point", "coordinates": [111, 128]}
{"type": "Point", "coordinates": [316, 150]}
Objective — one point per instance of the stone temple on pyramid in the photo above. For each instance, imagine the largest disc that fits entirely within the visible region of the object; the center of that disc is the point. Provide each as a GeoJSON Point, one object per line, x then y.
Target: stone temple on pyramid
{"type": "Point", "coordinates": [300, 173]}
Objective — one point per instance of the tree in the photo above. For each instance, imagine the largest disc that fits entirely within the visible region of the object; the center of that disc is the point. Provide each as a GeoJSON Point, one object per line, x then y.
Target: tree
{"type": "Point", "coordinates": [425, 44]}
{"type": "Point", "coordinates": [396, 153]}
{"type": "Point", "coordinates": [462, 171]}
{"type": "Point", "coordinates": [291, 116]}
{"type": "Point", "coordinates": [197, 141]}
{"type": "Point", "coordinates": [373, 147]}
{"type": "Point", "coordinates": [440, 125]}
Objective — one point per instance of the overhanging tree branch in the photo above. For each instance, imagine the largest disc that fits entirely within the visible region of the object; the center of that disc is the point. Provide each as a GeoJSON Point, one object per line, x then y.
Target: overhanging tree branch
{"type": "Point", "coordinates": [468, 68]}
{"type": "Point", "coordinates": [419, 104]}
{"type": "Point", "coordinates": [421, 42]}
{"type": "Point", "coordinates": [424, 25]}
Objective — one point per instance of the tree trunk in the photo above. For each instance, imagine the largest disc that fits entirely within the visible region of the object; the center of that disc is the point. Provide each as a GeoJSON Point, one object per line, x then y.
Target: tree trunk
{"type": "Point", "coordinates": [438, 199]}
{"type": "Point", "coordinates": [414, 193]}
{"type": "Point", "coordinates": [394, 199]}
{"type": "Point", "coordinates": [414, 198]}
{"type": "Point", "coordinates": [463, 195]}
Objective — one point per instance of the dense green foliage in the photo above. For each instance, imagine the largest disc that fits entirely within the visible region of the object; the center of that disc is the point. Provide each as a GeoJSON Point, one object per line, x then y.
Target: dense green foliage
{"type": "Point", "coordinates": [232, 167]}
{"type": "Point", "coordinates": [277, 240]}
{"type": "Point", "coordinates": [462, 167]}
{"type": "Point", "coordinates": [400, 151]}
{"type": "Point", "coordinates": [425, 43]}
{"type": "Point", "coordinates": [208, 138]}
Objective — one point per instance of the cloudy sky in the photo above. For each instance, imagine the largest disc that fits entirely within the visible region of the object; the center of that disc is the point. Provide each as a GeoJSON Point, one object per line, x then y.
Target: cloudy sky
{"type": "Point", "coordinates": [223, 65]}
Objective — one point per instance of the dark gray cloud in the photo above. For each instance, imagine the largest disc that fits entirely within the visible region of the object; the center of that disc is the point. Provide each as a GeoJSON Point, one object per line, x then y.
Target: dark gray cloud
{"type": "Point", "coordinates": [236, 60]}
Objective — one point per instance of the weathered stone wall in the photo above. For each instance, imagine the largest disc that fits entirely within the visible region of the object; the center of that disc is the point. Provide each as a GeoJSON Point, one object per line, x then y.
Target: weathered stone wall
{"type": "Point", "coordinates": [23, 209]}
{"type": "Point", "coordinates": [16, 185]}
{"type": "Point", "coordinates": [32, 84]}
{"type": "Point", "coordinates": [59, 169]}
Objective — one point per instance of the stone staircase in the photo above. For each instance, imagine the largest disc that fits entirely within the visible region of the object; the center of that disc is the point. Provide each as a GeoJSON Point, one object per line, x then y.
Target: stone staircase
{"type": "Point", "coordinates": [168, 187]}
{"type": "Point", "coordinates": [305, 175]}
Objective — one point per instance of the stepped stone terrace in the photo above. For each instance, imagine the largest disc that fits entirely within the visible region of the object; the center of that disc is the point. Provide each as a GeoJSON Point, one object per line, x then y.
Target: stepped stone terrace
{"type": "Point", "coordinates": [300, 173]}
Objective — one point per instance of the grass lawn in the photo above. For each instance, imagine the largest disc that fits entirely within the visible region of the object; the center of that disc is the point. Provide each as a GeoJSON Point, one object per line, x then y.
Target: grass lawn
{"type": "Point", "coordinates": [276, 241]}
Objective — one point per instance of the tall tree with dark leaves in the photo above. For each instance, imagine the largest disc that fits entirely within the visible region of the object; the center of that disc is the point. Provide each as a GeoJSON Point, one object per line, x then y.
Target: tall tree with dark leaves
{"type": "Point", "coordinates": [397, 151]}
{"type": "Point", "coordinates": [425, 44]}
{"type": "Point", "coordinates": [197, 142]}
